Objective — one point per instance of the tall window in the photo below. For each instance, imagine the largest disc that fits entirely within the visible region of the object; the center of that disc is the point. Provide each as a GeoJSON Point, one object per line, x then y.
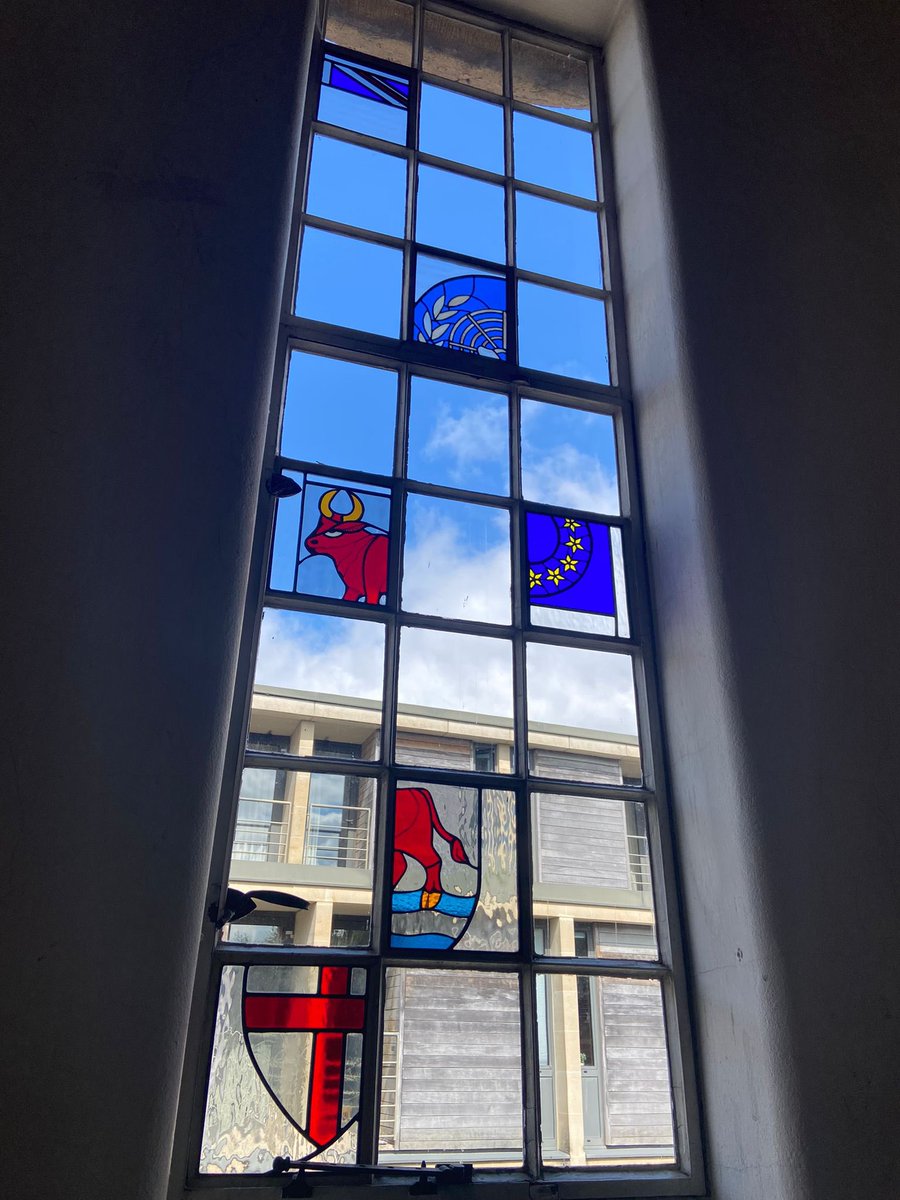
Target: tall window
{"type": "Point", "coordinates": [452, 711]}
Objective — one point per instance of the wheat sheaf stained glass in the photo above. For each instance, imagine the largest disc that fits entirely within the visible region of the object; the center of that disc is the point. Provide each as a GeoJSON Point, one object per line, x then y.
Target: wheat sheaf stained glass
{"type": "Point", "coordinates": [465, 313]}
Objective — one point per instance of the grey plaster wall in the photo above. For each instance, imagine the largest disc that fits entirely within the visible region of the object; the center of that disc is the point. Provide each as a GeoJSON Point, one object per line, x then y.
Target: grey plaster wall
{"type": "Point", "coordinates": [759, 192]}
{"type": "Point", "coordinates": [146, 168]}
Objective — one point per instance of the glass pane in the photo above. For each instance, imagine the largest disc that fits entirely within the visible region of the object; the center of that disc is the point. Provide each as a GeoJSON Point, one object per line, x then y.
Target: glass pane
{"type": "Point", "coordinates": [332, 539]}
{"type": "Point", "coordinates": [622, 1112]}
{"type": "Point", "coordinates": [458, 213]}
{"type": "Point", "coordinates": [339, 412]}
{"type": "Point", "coordinates": [316, 844]}
{"type": "Point", "coordinates": [456, 560]}
{"type": "Point", "coordinates": [461, 128]}
{"type": "Point", "coordinates": [551, 80]}
{"type": "Point", "coordinates": [458, 436]}
{"type": "Point", "coordinates": [569, 457]}
{"type": "Point", "coordinates": [553, 155]}
{"type": "Point", "coordinates": [346, 281]}
{"type": "Point", "coordinates": [451, 1080]}
{"type": "Point", "coordinates": [360, 98]}
{"type": "Point", "coordinates": [462, 52]}
{"type": "Point", "coordinates": [571, 573]}
{"type": "Point", "coordinates": [453, 869]}
{"type": "Point", "coordinates": [558, 239]}
{"type": "Point", "coordinates": [455, 700]}
{"type": "Point", "coordinates": [286, 1066]}
{"type": "Point", "coordinates": [318, 680]}
{"type": "Point", "coordinates": [458, 310]}
{"type": "Point", "coordinates": [563, 333]}
{"type": "Point", "coordinates": [357, 186]}
{"type": "Point", "coordinates": [591, 857]}
{"type": "Point", "coordinates": [582, 715]}
{"type": "Point", "coordinates": [383, 28]}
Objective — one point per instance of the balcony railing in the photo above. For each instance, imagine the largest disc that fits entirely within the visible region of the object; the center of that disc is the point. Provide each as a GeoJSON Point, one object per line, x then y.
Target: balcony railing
{"type": "Point", "coordinates": [337, 835]}
{"type": "Point", "coordinates": [639, 861]}
{"type": "Point", "coordinates": [260, 841]}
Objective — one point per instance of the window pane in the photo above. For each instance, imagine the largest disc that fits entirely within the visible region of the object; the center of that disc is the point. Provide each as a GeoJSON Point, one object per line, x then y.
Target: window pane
{"type": "Point", "coordinates": [456, 560]}
{"type": "Point", "coordinates": [383, 28]}
{"type": "Point", "coordinates": [455, 691]}
{"type": "Point", "coordinates": [591, 855]}
{"type": "Point", "coordinates": [557, 239]}
{"type": "Point", "coordinates": [563, 332]}
{"type": "Point", "coordinates": [357, 186]}
{"type": "Point", "coordinates": [296, 1035]}
{"type": "Point", "coordinates": [462, 52]}
{"type": "Point", "coordinates": [339, 412]}
{"type": "Point", "coordinates": [581, 714]}
{"type": "Point", "coordinates": [346, 281]}
{"type": "Point", "coordinates": [318, 679]}
{"type": "Point", "coordinates": [551, 80]}
{"type": "Point", "coordinates": [458, 213]}
{"type": "Point", "coordinates": [461, 128]}
{"type": "Point", "coordinates": [569, 457]}
{"type": "Point", "coordinates": [571, 574]}
{"type": "Point", "coordinates": [360, 98]}
{"type": "Point", "coordinates": [454, 869]}
{"type": "Point", "coordinates": [458, 436]}
{"type": "Point", "coordinates": [623, 1110]}
{"type": "Point", "coordinates": [458, 310]}
{"type": "Point", "coordinates": [451, 1081]}
{"type": "Point", "coordinates": [332, 540]}
{"type": "Point", "coordinates": [555, 156]}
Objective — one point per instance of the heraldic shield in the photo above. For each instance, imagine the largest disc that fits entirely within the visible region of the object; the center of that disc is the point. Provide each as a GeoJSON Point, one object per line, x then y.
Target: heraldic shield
{"type": "Point", "coordinates": [306, 1045]}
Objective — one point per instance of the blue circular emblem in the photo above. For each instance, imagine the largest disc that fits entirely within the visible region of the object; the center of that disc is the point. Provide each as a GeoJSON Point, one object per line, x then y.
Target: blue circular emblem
{"type": "Point", "coordinates": [466, 313]}
{"type": "Point", "coordinates": [559, 552]}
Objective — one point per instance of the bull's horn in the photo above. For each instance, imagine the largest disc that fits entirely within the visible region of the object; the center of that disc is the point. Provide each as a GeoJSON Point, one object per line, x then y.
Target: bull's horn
{"type": "Point", "coordinates": [327, 500]}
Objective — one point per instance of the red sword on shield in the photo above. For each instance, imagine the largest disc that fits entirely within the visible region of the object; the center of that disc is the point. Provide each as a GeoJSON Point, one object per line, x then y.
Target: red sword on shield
{"type": "Point", "coordinates": [329, 1016]}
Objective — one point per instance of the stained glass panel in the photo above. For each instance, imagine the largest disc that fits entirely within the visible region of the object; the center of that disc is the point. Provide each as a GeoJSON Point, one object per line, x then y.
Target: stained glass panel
{"type": "Point", "coordinates": [338, 412]}
{"type": "Point", "coordinates": [460, 310]}
{"type": "Point", "coordinates": [360, 98]}
{"type": "Point", "coordinates": [453, 869]}
{"type": "Point", "coordinates": [569, 564]}
{"type": "Point", "coordinates": [458, 436]}
{"type": "Point", "coordinates": [461, 128]}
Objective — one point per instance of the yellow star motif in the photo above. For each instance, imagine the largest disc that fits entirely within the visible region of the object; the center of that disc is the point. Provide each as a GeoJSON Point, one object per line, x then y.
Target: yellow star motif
{"type": "Point", "coordinates": [569, 563]}
{"type": "Point", "coordinates": [554, 575]}
{"type": "Point", "coordinates": [534, 577]}
{"type": "Point", "coordinates": [570, 523]}
{"type": "Point", "coordinates": [574, 543]}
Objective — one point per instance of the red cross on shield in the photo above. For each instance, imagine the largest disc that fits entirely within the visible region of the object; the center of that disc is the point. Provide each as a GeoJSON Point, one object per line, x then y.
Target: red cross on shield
{"type": "Point", "coordinates": [329, 1015]}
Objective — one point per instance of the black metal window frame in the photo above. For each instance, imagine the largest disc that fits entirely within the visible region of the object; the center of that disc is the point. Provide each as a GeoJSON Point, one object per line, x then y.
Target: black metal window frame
{"type": "Point", "coordinates": [409, 358]}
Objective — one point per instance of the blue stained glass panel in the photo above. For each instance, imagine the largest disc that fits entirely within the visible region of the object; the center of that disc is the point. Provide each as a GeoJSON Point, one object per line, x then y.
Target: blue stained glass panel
{"type": "Point", "coordinates": [461, 128]}
{"type": "Point", "coordinates": [360, 98]}
{"type": "Point", "coordinates": [464, 312]}
{"type": "Point", "coordinates": [570, 564]}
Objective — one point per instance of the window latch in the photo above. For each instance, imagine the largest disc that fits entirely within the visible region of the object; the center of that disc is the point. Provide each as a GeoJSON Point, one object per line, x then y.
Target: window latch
{"type": "Point", "coordinates": [428, 1180]}
{"type": "Point", "coordinates": [240, 904]}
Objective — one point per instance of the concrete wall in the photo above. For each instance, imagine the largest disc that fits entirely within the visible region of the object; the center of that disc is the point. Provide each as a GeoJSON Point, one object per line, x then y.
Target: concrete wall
{"type": "Point", "coordinates": [148, 159]}
{"type": "Point", "coordinates": [762, 286]}
{"type": "Point", "coordinates": [147, 166]}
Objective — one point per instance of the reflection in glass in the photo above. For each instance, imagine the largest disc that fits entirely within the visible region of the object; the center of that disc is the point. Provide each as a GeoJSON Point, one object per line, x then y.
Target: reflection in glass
{"type": "Point", "coordinates": [623, 1108]}
{"type": "Point", "coordinates": [550, 80]}
{"type": "Point", "coordinates": [557, 239]}
{"type": "Point", "coordinates": [453, 869]}
{"type": "Point", "coordinates": [553, 155]}
{"type": "Point", "coordinates": [462, 52]}
{"type": "Point", "coordinates": [451, 1075]}
{"type": "Point", "coordinates": [266, 1097]}
{"type": "Point", "coordinates": [458, 436]}
{"type": "Point", "coordinates": [339, 412]}
{"type": "Point", "coordinates": [469, 676]}
{"type": "Point", "coordinates": [581, 711]}
{"type": "Point", "coordinates": [346, 281]}
{"type": "Point", "coordinates": [357, 97]}
{"type": "Point", "coordinates": [461, 128]}
{"type": "Point", "coordinates": [569, 457]}
{"type": "Point", "coordinates": [456, 560]}
{"type": "Point", "coordinates": [459, 311]}
{"type": "Point", "coordinates": [459, 213]}
{"type": "Point", "coordinates": [318, 682]}
{"type": "Point", "coordinates": [562, 332]}
{"type": "Point", "coordinates": [379, 200]}
{"type": "Point", "coordinates": [383, 28]}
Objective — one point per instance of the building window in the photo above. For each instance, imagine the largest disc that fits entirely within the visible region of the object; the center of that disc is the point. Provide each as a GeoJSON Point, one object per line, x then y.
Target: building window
{"type": "Point", "coordinates": [452, 702]}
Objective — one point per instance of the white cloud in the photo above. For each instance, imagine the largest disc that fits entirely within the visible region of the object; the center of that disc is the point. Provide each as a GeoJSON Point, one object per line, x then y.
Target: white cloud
{"type": "Point", "coordinates": [476, 435]}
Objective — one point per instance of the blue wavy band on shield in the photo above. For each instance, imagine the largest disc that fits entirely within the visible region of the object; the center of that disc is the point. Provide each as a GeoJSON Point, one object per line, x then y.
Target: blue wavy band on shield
{"type": "Point", "coordinates": [466, 313]}
{"type": "Point", "coordinates": [570, 564]}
